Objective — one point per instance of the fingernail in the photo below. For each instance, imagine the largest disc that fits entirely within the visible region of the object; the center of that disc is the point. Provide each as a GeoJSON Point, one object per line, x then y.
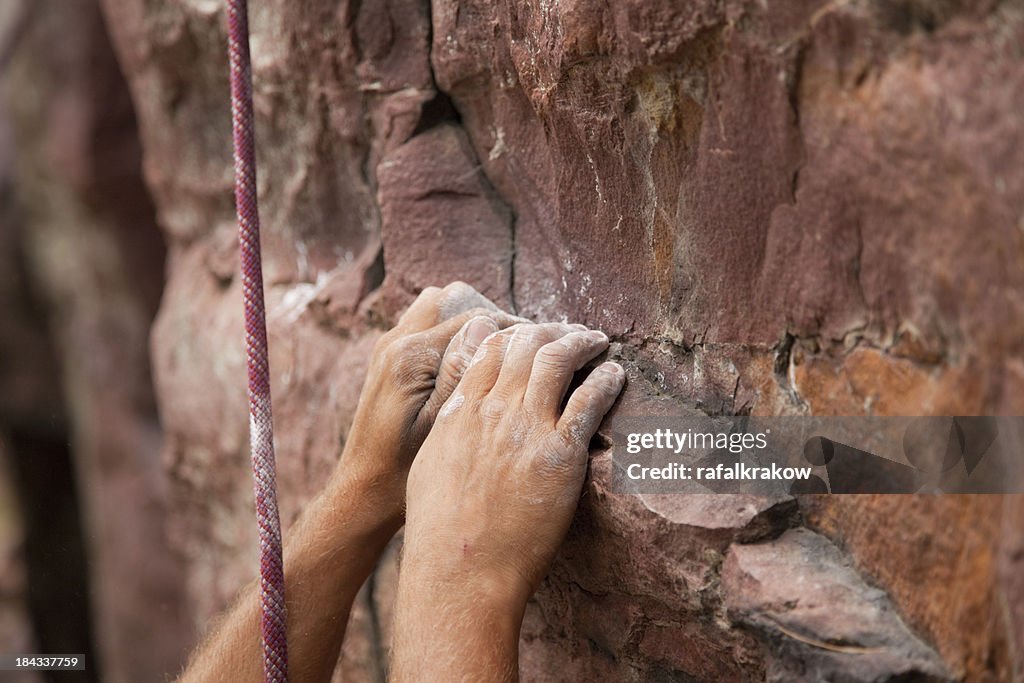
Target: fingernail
{"type": "Point", "coordinates": [478, 330]}
{"type": "Point", "coordinates": [597, 336]}
{"type": "Point", "coordinates": [612, 368]}
{"type": "Point", "coordinates": [578, 326]}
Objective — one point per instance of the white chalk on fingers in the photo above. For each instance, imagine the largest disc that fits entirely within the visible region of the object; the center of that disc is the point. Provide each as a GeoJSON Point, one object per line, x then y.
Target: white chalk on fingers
{"type": "Point", "coordinates": [480, 354]}
{"type": "Point", "coordinates": [460, 297]}
{"type": "Point", "coordinates": [452, 405]}
{"type": "Point", "coordinates": [488, 341]}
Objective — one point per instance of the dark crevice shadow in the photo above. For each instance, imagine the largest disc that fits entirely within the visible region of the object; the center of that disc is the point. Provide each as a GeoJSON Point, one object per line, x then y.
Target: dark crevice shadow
{"type": "Point", "coordinates": [54, 547]}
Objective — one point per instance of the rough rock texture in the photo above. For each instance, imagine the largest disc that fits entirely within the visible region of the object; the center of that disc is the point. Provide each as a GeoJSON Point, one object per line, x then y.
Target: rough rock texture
{"type": "Point", "coordinates": [812, 206]}
{"type": "Point", "coordinates": [800, 584]}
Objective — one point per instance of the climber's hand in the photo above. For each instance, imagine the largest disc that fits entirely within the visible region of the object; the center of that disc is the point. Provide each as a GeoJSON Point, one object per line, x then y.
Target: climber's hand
{"type": "Point", "coordinates": [413, 370]}
{"type": "Point", "coordinates": [495, 485]}
{"type": "Point", "coordinates": [491, 495]}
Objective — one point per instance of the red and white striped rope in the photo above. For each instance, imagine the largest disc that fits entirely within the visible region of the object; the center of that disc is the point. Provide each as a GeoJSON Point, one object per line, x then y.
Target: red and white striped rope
{"type": "Point", "coordinates": [261, 431]}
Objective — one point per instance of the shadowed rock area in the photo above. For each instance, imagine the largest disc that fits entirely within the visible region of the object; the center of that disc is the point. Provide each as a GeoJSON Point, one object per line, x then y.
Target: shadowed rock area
{"type": "Point", "coordinates": [82, 274]}
{"type": "Point", "coordinates": [804, 207]}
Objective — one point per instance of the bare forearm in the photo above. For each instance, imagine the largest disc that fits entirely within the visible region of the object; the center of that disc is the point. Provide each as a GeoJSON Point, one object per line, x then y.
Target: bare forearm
{"type": "Point", "coordinates": [454, 624]}
{"type": "Point", "coordinates": [328, 555]}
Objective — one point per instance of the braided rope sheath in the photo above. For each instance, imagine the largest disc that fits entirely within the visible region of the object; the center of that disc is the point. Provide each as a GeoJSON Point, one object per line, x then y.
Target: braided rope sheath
{"type": "Point", "coordinates": [261, 432]}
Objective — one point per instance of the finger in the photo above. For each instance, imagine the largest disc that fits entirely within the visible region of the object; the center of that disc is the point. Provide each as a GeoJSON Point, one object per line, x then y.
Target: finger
{"type": "Point", "coordinates": [440, 336]}
{"type": "Point", "coordinates": [435, 305]}
{"type": "Point", "coordinates": [555, 364]}
{"type": "Point", "coordinates": [522, 348]}
{"type": "Point", "coordinates": [483, 369]}
{"type": "Point", "coordinates": [457, 357]}
{"type": "Point", "coordinates": [419, 356]}
{"type": "Point", "coordinates": [420, 310]}
{"type": "Point", "coordinates": [460, 297]}
{"type": "Point", "coordinates": [589, 403]}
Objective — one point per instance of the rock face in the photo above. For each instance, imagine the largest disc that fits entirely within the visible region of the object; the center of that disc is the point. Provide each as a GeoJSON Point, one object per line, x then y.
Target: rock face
{"type": "Point", "coordinates": [800, 584]}
{"type": "Point", "coordinates": [812, 207]}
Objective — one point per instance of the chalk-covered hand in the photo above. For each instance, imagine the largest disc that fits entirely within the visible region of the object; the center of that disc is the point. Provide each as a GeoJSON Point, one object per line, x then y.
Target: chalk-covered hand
{"type": "Point", "coordinates": [342, 532]}
{"type": "Point", "coordinates": [413, 370]}
{"type": "Point", "coordinates": [492, 493]}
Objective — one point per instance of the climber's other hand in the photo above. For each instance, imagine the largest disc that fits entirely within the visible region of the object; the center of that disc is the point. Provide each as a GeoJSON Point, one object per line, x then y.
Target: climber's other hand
{"type": "Point", "coordinates": [413, 370]}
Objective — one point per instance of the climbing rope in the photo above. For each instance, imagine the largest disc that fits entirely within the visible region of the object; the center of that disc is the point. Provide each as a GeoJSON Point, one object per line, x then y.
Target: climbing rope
{"type": "Point", "coordinates": [261, 431]}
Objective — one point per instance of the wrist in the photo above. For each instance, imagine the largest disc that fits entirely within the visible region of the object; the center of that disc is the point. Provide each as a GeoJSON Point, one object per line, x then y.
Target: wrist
{"type": "Point", "coordinates": [338, 539]}
{"type": "Point", "coordinates": [483, 585]}
{"type": "Point", "coordinates": [368, 489]}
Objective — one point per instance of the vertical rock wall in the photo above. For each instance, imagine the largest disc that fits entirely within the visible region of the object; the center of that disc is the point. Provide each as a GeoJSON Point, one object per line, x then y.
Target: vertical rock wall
{"type": "Point", "coordinates": [774, 208]}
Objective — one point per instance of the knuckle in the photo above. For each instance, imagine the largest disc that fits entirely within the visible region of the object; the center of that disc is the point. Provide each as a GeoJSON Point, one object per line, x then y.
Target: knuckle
{"type": "Point", "coordinates": [499, 338]}
{"type": "Point", "coordinates": [478, 313]}
{"type": "Point", "coordinates": [560, 454]}
{"type": "Point", "coordinates": [452, 406]}
{"type": "Point", "coordinates": [528, 333]}
{"type": "Point", "coordinates": [574, 436]}
{"type": "Point", "coordinates": [393, 355]}
{"type": "Point", "coordinates": [585, 397]}
{"type": "Point", "coordinates": [529, 338]}
{"type": "Point", "coordinates": [567, 438]}
{"type": "Point", "coordinates": [387, 349]}
{"type": "Point", "coordinates": [554, 355]}
{"type": "Point", "coordinates": [385, 340]}
{"type": "Point", "coordinates": [429, 292]}
{"type": "Point", "coordinates": [458, 286]}
{"type": "Point", "coordinates": [492, 408]}
{"type": "Point", "coordinates": [558, 329]}
{"type": "Point", "coordinates": [458, 297]}
{"type": "Point", "coordinates": [397, 346]}
{"type": "Point", "coordinates": [410, 360]}
{"type": "Point", "coordinates": [427, 297]}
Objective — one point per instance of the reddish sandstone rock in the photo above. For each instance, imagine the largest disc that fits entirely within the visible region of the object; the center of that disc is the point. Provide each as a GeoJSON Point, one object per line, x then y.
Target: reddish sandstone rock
{"type": "Point", "coordinates": [819, 619]}
{"type": "Point", "coordinates": [440, 219]}
{"type": "Point", "coordinates": [809, 208]}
